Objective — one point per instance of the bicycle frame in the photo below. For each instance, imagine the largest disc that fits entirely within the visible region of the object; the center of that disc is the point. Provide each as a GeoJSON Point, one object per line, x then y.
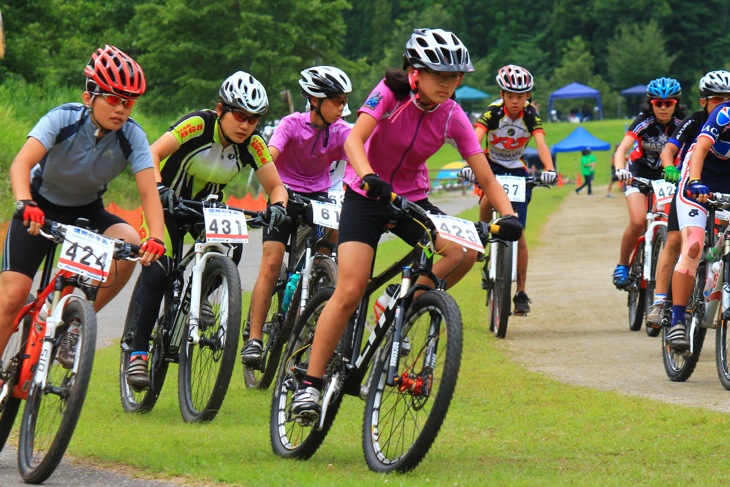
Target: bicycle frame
{"type": "Point", "coordinates": [655, 218]}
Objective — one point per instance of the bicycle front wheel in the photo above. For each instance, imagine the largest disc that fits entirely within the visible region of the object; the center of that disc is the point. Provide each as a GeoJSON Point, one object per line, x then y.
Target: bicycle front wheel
{"type": "Point", "coordinates": [499, 292]}
{"type": "Point", "coordinates": [292, 438]}
{"type": "Point", "coordinates": [637, 293]}
{"type": "Point", "coordinates": [722, 347]}
{"type": "Point", "coordinates": [206, 368]}
{"type": "Point", "coordinates": [261, 378]}
{"type": "Point", "coordinates": [402, 421]}
{"type": "Point", "coordinates": [679, 366]}
{"type": "Point", "coordinates": [52, 410]}
{"type": "Point", "coordinates": [142, 401]}
{"type": "Point", "coordinates": [12, 361]}
{"type": "Point", "coordinates": [660, 240]}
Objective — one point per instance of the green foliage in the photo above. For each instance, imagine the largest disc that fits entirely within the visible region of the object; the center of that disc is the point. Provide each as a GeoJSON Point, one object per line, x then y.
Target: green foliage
{"type": "Point", "coordinates": [636, 54]}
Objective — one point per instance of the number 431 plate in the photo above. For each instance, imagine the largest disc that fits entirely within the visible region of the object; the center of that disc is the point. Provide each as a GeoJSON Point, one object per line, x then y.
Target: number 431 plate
{"type": "Point", "coordinates": [225, 225]}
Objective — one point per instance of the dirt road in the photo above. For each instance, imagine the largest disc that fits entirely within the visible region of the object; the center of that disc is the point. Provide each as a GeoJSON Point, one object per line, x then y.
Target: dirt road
{"type": "Point", "coordinates": [578, 331]}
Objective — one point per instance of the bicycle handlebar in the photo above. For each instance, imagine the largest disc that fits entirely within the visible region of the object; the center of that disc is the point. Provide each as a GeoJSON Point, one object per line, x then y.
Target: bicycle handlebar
{"type": "Point", "coordinates": [188, 208]}
{"type": "Point", "coordinates": [56, 232]}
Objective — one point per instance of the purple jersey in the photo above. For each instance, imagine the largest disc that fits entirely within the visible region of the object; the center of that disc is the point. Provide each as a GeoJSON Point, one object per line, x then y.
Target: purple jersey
{"type": "Point", "coordinates": [406, 136]}
{"type": "Point", "coordinates": [304, 162]}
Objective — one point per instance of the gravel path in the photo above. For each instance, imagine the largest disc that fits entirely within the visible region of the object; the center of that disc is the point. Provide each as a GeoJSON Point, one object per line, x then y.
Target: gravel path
{"type": "Point", "coordinates": [578, 331]}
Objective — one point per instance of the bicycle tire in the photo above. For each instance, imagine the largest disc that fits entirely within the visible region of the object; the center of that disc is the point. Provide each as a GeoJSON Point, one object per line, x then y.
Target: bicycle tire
{"type": "Point", "coordinates": [399, 426]}
{"type": "Point", "coordinates": [12, 360]}
{"type": "Point", "coordinates": [51, 412]}
{"type": "Point", "coordinates": [324, 274]}
{"type": "Point", "coordinates": [206, 368]}
{"type": "Point", "coordinates": [499, 295]}
{"type": "Point", "coordinates": [678, 366]}
{"type": "Point", "coordinates": [637, 293]}
{"type": "Point", "coordinates": [134, 401]}
{"type": "Point", "coordinates": [290, 439]}
{"type": "Point", "coordinates": [660, 240]}
{"type": "Point", "coordinates": [722, 347]}
{"type": "Point", "coordinates": [262, 377]}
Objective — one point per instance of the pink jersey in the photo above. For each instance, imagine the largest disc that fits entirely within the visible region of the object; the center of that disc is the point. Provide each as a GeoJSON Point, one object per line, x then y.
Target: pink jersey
{"type": "Point", "coordinates": [304, 162]}
{"type": "Point", "coordinates": [406, 136]}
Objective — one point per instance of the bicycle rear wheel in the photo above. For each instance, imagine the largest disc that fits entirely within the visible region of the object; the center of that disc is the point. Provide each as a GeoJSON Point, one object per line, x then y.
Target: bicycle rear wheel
{"type": "Point", "coordinates": [401, 422]}
{"type": "Point", "coordinates": [134, 401]}
{"type": "Point", "coordinates": [290, 438]}
{"type": "Point", "coordinates": [499, 292]}
{"type": "Point", "coordinates": [206, 368]}
{"type": "Point", "coordinates": [680, 366]}
{"type": "Point", "coordinates": [262, 377]}
{"type": "Point", "coordinates": [637, 293]}
{"type": "Point", "coordinates": [722, 347]}
{"type": "Point", "coordinates": [12, 361]}
{"type": "Point", "coordinates": [51, 411]}
{"type": "Point", "coordinates": [660, 239]}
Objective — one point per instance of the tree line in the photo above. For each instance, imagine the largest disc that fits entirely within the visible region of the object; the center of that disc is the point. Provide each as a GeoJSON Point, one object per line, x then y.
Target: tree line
{"type": "Point", "coordinates": [187, 47]}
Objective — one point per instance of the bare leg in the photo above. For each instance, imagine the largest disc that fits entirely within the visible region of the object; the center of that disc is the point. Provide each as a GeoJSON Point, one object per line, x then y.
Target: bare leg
{"type": "Point", "coordinates": [271, 259]}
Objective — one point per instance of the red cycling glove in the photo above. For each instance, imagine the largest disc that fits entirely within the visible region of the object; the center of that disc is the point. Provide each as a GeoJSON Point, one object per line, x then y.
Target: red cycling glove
{"type": "Point", "coordinates": [28, 211]}
{"type": "Point", "coordinates": [154, 246]}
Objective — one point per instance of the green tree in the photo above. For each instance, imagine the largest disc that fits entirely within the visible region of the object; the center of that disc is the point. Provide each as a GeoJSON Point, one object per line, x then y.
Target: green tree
{"type": "Point", "coordinates": [637, 54]}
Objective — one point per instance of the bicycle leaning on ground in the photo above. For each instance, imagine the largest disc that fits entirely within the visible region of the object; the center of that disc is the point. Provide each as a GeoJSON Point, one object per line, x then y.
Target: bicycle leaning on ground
{"type": "Point", "coordinates": [500, 266]}
{"type": "Point", "coordinates": [49, 357]}
{"type": "Point", "coordinates": [200, 318]}
{"type": "Point", "coordinates": [306, 272]}
{"type": "Point", "coordinates": [645, 256]}
{"type": "Point", "coordinates": [703, 309]}
{"type": "Point", "coordinates": [405, 370]}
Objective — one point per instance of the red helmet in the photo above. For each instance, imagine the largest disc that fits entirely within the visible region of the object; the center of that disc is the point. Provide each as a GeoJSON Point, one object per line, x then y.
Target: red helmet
{"type": "Point", "coordinates": [112, 71]}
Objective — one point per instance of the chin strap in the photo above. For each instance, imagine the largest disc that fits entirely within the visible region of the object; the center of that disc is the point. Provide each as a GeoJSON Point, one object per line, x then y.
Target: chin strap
{"type": "Point", "coordinates": [325, 127]}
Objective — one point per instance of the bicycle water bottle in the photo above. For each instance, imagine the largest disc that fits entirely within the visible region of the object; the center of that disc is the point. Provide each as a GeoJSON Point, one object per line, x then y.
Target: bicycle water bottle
{"type": "Point", "coordinates": [382, 302]}
{"type": "Point", "coordinates": [713, 274]}
{"type": "Point", "coordinates": [289, 291]}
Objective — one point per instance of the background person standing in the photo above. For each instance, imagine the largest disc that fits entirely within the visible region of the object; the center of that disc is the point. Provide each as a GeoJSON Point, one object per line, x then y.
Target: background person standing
{"type": "Point", "coordinates": [587, 170]}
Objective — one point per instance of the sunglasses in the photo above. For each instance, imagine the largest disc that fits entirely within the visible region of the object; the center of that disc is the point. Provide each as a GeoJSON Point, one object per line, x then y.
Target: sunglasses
{"type": "Point", "coordinates": [444, 75]}
{"type": "Point", "coordinates": [115, 100]}
{"type": "Point", "coordinates": [339, 101]}
{"type": "Point", "coordinates": [242, 117]}
{"type": "Point", "coordinates": [719, 99]}
{"type": "Point", "coordinates": [663, 103]}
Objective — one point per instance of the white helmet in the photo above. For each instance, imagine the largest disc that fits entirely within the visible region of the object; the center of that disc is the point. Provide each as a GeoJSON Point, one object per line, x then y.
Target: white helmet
{"type": "Point", "coordinates": [515, 79]}
{"type": "Point", "coordinates": [437, 49]}
{"type": "Point", "coordinates": [324, 82]}
{"type": "Point", "coordinates": [715, 83]}
{"type": "Point", "coordinates": [241, 90]}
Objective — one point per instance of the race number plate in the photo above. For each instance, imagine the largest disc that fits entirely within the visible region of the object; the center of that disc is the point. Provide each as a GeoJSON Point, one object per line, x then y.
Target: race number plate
{"type": "Point", "coordinates": [326, 214]}
{"type": "Point", "coordinates": [458, 230]}
{"type": "Point", "coordinates": [663, 190]}
{"type": "Point", "coordinates": [86, 253]}
{"type": "Point", "coordinates": [514, 186]}
{"type": "Point", "coordinates": [225, 225]}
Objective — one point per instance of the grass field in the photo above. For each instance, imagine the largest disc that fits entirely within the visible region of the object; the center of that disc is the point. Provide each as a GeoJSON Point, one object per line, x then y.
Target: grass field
{"type": "Point", "coordinates": [506, 426]}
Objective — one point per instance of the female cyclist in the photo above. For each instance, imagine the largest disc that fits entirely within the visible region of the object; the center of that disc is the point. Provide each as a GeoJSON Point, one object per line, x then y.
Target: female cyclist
{"type": "Point", "coordinates": [714, 89]}
{"type": "Point", "coordinates": [62, 171]}
{"type": "Point", "coordinates": [197, 157]}
{"type": "Point", "coordinates": [648, 134]}
{"type": "Point", "coordinates": [407, 117]}
{"type": "Point", "coordinates": [304, 145]}
{"type": "Point", "coordinates": [705, 170]}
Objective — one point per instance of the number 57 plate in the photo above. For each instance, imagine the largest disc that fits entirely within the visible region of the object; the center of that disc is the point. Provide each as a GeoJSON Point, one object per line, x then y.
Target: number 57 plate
{"type": "Point", "coordinates": [458, 230]}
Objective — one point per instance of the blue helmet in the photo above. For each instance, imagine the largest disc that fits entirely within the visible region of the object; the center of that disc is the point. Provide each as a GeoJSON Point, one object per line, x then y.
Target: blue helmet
{"type": "Point", "coordinates": [663, 88]}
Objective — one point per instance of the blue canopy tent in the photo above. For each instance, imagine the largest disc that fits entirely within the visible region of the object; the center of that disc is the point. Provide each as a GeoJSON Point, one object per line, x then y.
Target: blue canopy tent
{"type": "Point", "coordinates": [635, 94]}
{"type": "Point", "coordinates": [469, 97]}
{"type": "Point", "coordinates": [637, 90]}
{"type": "Point", "coordinates": [576, 90]}
{"type": "Point", "coordinates": [578, 140]}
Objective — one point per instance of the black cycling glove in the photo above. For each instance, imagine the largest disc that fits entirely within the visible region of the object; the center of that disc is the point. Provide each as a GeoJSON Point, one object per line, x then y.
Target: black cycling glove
{"type": "Point", "coordinates": [510, 228]}
{"type": "Point", "coordinates": [168, 198]}
{"type": "Point", "coordinates": [377, 188]}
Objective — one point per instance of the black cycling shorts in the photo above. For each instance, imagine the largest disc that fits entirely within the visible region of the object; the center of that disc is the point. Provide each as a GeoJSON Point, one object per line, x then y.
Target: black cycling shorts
{"type": "Point", "coordinates": [282, 232]}
{"type": "Point", "coordinates": [365, 220]}
{"type": "Point", "coordinates": [24, 253]}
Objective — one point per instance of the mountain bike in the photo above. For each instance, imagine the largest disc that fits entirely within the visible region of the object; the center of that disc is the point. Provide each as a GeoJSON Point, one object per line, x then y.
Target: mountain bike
{"type": "Point", "coordinates": [645, 256]}
{"type": "Point", "coordinates": [309, 270]}
{"type": "Point", "coordinates": [57, 321]}
{"type": "Point", "coordinates": [200, 318]}
{"type": "Point", "coordinates": [500, 266]}
{"type": "Point", "coordinates": [702, 310]}
{"type": "Point", "coordinates": [405, 370]}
